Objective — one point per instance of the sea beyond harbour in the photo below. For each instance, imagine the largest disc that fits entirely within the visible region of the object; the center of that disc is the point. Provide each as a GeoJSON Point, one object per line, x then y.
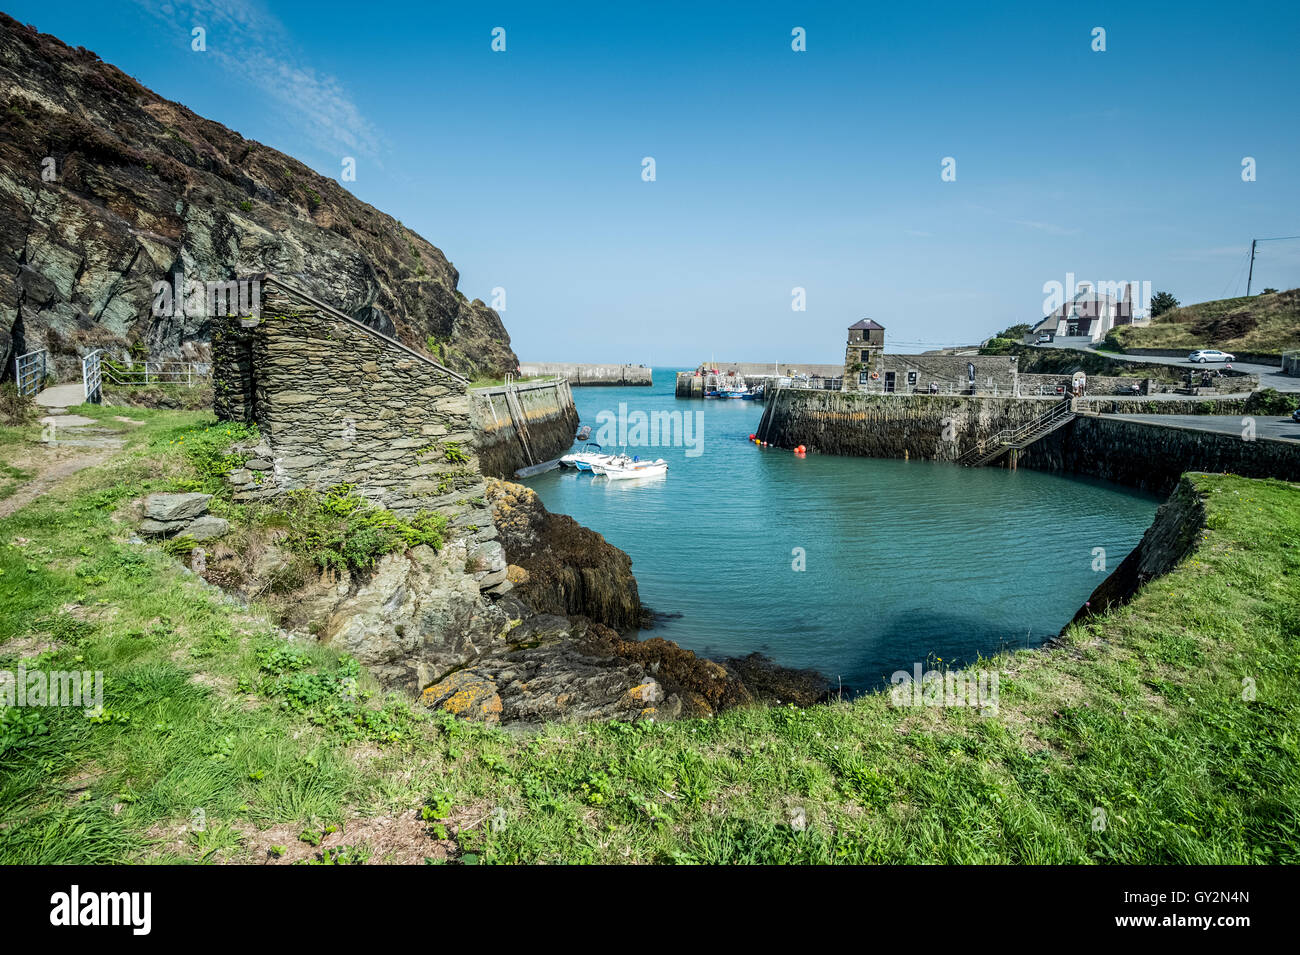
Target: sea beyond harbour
{"type": "Point", "coordinates": [855, 567]}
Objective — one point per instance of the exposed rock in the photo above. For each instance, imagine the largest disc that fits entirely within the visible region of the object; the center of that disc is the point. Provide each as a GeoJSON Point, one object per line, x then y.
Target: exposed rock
{"type": "Point", "coordinates": [417, 617]}
{"type": "Point", "coordinates": [567, 568]}
{"type": "Point", "coordinates": [771, 683]}
{"type": "Point", "coordinates": [169, 508]}
{"type": "Point", "coordinates": [1171, 537]}
{"type": "Point", "coordinates": [206, 528]}
{"type": "Point", "coordinates": [145, 189]}
{"type": "Point", "coordinates": [467, 695]}
{"type": "Point", "coordinates": [551, 672]}
{"type": "Point", "coordinates": [160, 528]}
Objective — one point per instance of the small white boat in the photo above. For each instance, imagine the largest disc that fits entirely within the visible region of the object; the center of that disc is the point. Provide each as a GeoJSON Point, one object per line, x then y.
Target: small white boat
{"type": "Point", "coordinates": [582, 460]}
{"type": "Point", "coordinates": [621, 467]}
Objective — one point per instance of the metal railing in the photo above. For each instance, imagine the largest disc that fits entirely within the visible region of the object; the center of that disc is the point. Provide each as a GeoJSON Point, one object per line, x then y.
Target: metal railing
{"type": "Point", "coordinates": [157, 373]}
{"type": "Point", "coordinates": [30, 371]}
{"type": "Point", "coordinates": [92, 376]}
{"type": "Point", "coordinates": [984, 451]}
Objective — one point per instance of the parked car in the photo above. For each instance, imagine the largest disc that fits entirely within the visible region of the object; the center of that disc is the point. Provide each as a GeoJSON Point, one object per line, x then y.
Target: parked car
{"type": "Point", "coordinates": [1043, 339]}
{"type": "Point", "coordinates": [1210, 354]}
{"type": "Point", "coordinates": [1295, 415]}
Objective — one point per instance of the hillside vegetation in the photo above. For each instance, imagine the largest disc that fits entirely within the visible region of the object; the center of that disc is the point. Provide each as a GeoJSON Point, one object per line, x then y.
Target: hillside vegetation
{"type": "Point", "coordinates": [1161, 732]}
{"type": "Point", "coordinates": [1261, 324]}
{"type": "Point", "coordinates": [107, 187]}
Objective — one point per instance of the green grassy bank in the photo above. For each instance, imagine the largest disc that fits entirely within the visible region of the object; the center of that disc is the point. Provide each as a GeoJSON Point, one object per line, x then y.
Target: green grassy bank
{"type": "Point", "coordinates": [1163, 732]}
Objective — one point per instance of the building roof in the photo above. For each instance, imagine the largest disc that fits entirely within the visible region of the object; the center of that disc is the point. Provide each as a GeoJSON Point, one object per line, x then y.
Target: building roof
{"type": "Point", "coordinates": [866, 325]}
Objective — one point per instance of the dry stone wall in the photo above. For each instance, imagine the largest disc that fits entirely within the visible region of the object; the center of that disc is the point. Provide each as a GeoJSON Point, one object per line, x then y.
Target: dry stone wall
{"type": "Point", "coordinates": [338, 403]}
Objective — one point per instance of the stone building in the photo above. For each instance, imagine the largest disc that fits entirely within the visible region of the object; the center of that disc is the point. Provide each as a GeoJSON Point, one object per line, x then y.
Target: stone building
{"type": "Point", "coordinates": [336, 402]}
{"type": "Point", "coordinates": [869, 368]}
{"type": "Point", "coordinates": [862, 353]}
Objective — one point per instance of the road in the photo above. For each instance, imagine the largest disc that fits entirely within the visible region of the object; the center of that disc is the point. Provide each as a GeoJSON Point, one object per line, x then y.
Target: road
{"type": "Point", "coordinates": [1270, 376]}
{"type": "Point", "coordinates": [1272, 426]}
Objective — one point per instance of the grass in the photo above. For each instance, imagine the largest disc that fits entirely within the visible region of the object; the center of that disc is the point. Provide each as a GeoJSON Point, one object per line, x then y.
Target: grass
{"type": "Point", "coordinates": [1261, 324]}
{"type": "Point", "coordinates": [10, 479]}
{"type": "Point", "coordinates": [1176, 717]}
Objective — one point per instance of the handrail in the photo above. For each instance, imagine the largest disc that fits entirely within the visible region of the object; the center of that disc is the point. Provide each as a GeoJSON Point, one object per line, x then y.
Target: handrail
{"type": "Point", "coordinates": [92, 380]}
{"type": "Point", "coordinates": [157, 372]}
{"type": "Point", "coordinates": [1014, 436]}
{"type": "Point", "coordinates": [30, 371]}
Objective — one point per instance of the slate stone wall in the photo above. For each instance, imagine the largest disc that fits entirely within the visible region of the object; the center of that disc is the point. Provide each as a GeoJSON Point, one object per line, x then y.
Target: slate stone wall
{"type": "Point", "coordinates": [338, 403]}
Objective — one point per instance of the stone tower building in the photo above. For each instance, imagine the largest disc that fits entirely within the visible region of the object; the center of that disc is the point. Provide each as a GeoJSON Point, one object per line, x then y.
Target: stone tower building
{"type": "Point", "coordinates": [862, 354]}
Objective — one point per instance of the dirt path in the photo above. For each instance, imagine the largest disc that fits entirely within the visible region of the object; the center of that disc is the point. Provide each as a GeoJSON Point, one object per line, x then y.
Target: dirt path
{"type": "Point", "coordinates": [51, 465]}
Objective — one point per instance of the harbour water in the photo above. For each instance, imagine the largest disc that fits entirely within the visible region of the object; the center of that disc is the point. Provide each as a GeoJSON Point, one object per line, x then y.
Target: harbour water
{"type": "Point", "coordinates": [903, 562]}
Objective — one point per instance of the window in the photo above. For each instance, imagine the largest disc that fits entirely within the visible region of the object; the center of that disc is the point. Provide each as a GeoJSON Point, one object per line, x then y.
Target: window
{"type": "Point", "coordinates": [866, 355]}
{"type": "Point", "coordinates": [911, 379]}
{"type": "Point", "coordinates": [862, 377]}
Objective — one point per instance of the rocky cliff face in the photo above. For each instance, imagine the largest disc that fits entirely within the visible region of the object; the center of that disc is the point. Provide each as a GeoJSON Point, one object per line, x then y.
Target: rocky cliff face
{"type": "Point", "coordinates": [106, 188]}
{"type": "Point", "coordinates": [559, 566]}
{"type": "Point", "coordinates": [1172, 535]}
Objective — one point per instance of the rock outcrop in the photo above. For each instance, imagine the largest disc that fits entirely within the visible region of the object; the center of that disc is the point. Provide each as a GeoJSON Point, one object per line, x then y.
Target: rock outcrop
{"type": "Point", "coordinates": [182, 515]}
{"type": "Point", "coordinates": [1171, 537]}
{"type": "Point", "coordinates": [106, 188]}
{"type": "Point", "coordinates": [560, 566]}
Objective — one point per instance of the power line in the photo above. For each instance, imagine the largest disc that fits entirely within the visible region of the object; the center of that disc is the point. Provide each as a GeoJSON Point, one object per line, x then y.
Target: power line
{"type": "Point", "coordinates": [1253, 243]}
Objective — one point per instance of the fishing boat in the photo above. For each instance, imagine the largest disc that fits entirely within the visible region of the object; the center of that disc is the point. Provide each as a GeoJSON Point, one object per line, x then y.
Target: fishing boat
{"type": "Point", "coordinates": [582, 460]}
{"type": "Point", "coordinates": [621, 467]}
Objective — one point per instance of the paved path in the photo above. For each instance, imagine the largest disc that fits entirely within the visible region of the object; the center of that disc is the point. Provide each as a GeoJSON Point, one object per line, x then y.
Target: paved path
{"type": "Point", "coordinates": [1273, 426]}
{"type": "Point", "coordinates": [62, 396]}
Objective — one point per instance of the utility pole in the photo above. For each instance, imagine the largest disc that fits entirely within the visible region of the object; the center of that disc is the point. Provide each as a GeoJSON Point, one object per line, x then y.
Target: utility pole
{"type": "Point", "coordinates": [1251, 274]}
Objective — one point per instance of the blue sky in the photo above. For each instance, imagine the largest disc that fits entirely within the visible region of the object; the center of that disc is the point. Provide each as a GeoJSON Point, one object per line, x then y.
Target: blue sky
{"type": "Point", "coordinates": [775, 169]}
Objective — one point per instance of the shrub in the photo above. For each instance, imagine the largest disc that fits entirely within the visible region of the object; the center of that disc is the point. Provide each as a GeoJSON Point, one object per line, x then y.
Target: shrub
{"type": "Point", "coordinates": [340, 531]}
{"type": "Point", "coordinates": [1269, 401]}
{"type": "Point", "coordinates": [208, 451]}
{"type": "Point", "coordinates": [15, 408]}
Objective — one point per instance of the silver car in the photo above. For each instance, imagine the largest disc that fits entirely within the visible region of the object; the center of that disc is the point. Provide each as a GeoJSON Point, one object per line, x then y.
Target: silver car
{"type": "Point", "coordinates": [1210, 354]}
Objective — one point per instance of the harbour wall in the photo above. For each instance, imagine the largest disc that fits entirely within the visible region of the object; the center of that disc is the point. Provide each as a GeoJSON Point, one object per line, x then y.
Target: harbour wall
{"type": "Point", "coordinates": [1138, 454]}
{"type": "Point", "coordinates": [777, 369]}
{"type": "Point", "coordinates": [1153, 456]}
{"type": "Point", "coordinates": [930, 427]}
{"type": "Point", "coordinates": [522, 424]}
{"type": "Point", "coordinates": [584, 375]}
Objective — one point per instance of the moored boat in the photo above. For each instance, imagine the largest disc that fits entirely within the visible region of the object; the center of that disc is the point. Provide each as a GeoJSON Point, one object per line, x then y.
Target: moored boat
{"type": "Point", "coordinates": [582, 460]}
{"type": "Point", "coordinates": [621, 467]}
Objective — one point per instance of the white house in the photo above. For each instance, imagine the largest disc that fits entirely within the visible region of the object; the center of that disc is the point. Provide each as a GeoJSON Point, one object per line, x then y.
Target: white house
{"type": "Point", "coordinates": [1086, 318]}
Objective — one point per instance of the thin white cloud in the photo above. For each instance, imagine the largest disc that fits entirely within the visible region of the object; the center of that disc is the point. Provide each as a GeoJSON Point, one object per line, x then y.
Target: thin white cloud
{"type": "Point", "coordinates": [1050, 228]}
{"type": "Point", "coordinates": [239, 34]}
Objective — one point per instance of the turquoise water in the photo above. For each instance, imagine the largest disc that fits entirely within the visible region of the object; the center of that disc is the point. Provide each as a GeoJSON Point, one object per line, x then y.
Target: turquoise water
{"type": "Point", "coordinates": [905, 561]}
